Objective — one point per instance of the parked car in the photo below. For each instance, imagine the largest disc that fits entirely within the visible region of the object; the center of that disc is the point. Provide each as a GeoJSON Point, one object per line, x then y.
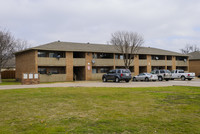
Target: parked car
{"type": "Point", "coordinates": [162, 74]}
{"type": "Point", "coordinates": [117, 75]}
{"type": "Point", "coordinates": [145, 77]}
{"type": "Point", "coordinates": [179, 74]}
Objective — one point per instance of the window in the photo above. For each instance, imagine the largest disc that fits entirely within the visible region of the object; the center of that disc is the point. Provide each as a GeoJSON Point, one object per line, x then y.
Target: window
{"type": "Point", "coordinates": [105, 55]}
{"type": "Point", "coordinates": [142, 57]}
{"type": "Point", "coordinates": [181, 71]}
{"type": "Point", "coordinates": [42, 70]}
{"type": "Point", "coordinates": [104, 70]}
{"type": "Point", "coordinates": [125, 71]}
{"type": "Point", "coordinates": [42, 54]}
{"type": "Point", "coordinates": [51, 54]}
{"type": "Point", "coordinates": [51, 70]}
{"type": "Point", "coordinates": [158, 57]}
{"type": "Point", "coordinates": [162, 71]}
{"type": "Point", "coordinates": [169, 57]}
{"type": "Point", "coordinates": [94, 70]}
{"type": "Point", "coordinates": [121, 57]}
{"type": "Point", "coordinates": [94, 55]}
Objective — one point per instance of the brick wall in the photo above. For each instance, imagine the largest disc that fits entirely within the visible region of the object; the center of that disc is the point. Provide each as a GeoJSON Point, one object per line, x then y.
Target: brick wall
{"type": "Point", "coordinates": [69, 66]}
{"type": "Point", "coordinates": [194, 66]}
{"type": "Point", "coordinates": [88, 66]}
{"type": "Point", "coordinates": [136, 64]}
{"type": "Point", "coordinates": [26, 62]}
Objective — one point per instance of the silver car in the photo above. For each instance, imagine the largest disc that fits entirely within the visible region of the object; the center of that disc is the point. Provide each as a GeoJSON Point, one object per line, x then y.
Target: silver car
{"type": "Point", "coordinates": [145, 77]}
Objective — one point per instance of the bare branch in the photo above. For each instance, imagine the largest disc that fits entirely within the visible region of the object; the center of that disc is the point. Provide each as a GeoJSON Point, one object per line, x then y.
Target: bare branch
{"type": "Point", "coordinates": [127, 43]}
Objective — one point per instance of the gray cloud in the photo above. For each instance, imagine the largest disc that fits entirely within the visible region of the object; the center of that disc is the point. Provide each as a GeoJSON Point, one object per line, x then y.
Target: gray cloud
{"type": "Point", "coordinates": [166, 24]}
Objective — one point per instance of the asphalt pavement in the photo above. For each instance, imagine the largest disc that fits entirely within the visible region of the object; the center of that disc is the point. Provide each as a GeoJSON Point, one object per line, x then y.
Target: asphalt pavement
{"type": "Point", "coordinates": [195, 82]}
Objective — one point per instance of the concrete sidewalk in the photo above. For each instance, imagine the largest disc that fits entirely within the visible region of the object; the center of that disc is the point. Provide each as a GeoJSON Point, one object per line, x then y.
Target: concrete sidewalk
{"type": "Point", "coordinates": [195, 82]}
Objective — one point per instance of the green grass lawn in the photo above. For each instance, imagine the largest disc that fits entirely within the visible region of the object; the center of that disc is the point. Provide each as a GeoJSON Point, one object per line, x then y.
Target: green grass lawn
{"type": "Point", "coordinates": [9, 82]}
{"type": "Point", "coordinates": [161, 110]}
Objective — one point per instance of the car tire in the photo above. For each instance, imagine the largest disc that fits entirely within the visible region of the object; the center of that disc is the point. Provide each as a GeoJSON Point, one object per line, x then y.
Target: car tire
{"type": "Point", "coordinates": [182, 78]}
{"type": "Point", "coordinates": [153, 80]}
{"type": "Point", "coordinates": [146, 79]}
{"type": "Point", "coordinates": [117, 80]}
{"type": "Point", "coordinates": [167, 79]}
{"type": "Point", "coordinates": [160, 78]}
{"type": "Point", "coordinates": [104, 79]}
{"type": "Point", "coordinates": [134, 79]}
{"type": "Point", "coordinates": [127, 81]}
{"type": "Point", "coordinates": [189, 79]}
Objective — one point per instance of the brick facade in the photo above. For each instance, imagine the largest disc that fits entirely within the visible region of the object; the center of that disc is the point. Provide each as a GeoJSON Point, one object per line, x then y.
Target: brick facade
{"type": "Point", "coordinates": [69, 66]}
{"type": "Point", "coordinates": [26, 62]}
{"type": "Point", "coordinates": [194, 66]}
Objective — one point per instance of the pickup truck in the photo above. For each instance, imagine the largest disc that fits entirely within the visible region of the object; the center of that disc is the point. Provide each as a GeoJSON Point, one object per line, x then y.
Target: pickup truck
{"type": "Point", "coordinates": [179, 74]}
{"type": "Point", "coordinates": [162, 74]}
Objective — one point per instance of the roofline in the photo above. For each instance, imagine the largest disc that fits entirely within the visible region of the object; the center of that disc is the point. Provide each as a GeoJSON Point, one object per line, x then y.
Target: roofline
{"type": "Point", "coordinates": [35, 48]}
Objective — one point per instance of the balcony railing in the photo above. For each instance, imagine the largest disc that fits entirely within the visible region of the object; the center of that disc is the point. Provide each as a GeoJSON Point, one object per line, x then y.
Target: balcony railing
{"type": "Point", "coordinates": [181, 63]}
{"type": "Point", "coordinates": [46, 61]}
{"type": "Point", "coordinates": [142, 62]}
{"type": "Point", "coordinates": [119, 62]}
{"type": "Point", "coordinates": [52, 78]}
{"type": "Point", "coordinates": [158, 62]}
{"type": "Point", "coordinates": [79, 62]}
{"type": "Point", "coordinates": [169, 63]}
{"type": "Point", "coordinates": [103, 62]}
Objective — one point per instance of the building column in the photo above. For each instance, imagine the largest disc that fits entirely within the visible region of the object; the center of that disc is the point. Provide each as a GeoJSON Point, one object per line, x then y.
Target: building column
{"type": "Point", "coordinates": [69, 66]}
{"type": "Point", "coordinates": [136, 64]}
{"type": "Point", "coordinates": [114, 67]}
{"type": "Point", "coordinates": [173, 62]}
{"type": "Point", "coordinates": [88, 66]}
{"type": "Point", "coordinates": [148, 63]}
{"type": "Point", "coordinates": [165, 62]}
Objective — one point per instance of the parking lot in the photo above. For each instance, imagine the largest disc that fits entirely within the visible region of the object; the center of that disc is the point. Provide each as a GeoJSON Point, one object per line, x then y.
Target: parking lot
{"type": "Point", "coordinates": [194, 82]}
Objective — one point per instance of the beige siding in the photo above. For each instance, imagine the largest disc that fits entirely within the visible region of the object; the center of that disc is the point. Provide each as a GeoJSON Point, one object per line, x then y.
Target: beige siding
{"type": "Point", "coordinates": [103, 62]}
{"type": "Point", "coordinates": [181, 63]}
{"type": "Point", "coordinates": [158, 62]}
{"type": "Point", "coordinates": [79, 61]}
{"type": "Point", "coordinates": [169, 63]}
{"type": "Point", "coordinates": [46, 61]}
{"type": "Point", "coordinates": [142, 62]}
{"type": "Point", "coordinates": [119, 62]}
{"type": "Point", "coordinates": [97, 76]}
{"type": "Point", "coordinates": [52, 78]}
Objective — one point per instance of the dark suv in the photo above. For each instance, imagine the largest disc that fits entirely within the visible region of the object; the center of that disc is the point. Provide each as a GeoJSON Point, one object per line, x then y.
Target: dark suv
{"type": "Point", "coordinates": [117, 75]}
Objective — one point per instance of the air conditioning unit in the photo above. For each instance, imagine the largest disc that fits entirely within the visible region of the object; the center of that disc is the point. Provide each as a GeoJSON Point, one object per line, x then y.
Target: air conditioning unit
{"type": "Point", "coordinates": [157, 58]}
{"type": "Point", "coordinates": [185, 60]}
{"type": "Point", "coordinates": [93, 61]}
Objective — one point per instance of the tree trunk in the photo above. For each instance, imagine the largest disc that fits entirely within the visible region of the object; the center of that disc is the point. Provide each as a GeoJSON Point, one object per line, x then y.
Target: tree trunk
{"type": "Point", "coordinates": [0, 76]}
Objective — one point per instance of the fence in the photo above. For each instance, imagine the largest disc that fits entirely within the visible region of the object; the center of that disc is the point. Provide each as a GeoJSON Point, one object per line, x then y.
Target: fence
{"type": "Point", "coordinates": [8, 74]}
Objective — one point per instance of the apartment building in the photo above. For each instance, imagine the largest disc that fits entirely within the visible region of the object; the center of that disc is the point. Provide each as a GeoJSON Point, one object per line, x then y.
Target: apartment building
{"type": "Point", "coordinates": [66, 61]}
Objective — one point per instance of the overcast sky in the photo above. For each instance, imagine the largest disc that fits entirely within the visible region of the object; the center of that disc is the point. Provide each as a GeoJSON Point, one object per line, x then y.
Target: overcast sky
{"type": "Point", "coordinates": [165, 24]}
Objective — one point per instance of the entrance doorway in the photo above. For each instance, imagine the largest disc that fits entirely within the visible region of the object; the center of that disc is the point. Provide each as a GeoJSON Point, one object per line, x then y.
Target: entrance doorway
{"type": "Point", "coordinates": [79, 73]}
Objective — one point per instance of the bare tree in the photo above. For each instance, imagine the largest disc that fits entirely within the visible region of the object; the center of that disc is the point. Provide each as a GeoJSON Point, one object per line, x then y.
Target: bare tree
{"type": "Point", "coordinates": [127, 43]}
{"type": "Point", "coordinates": [7, 48]}
{"type": "Point", "coordinates": [189, 48]}
{"type": "Point", "coordinates": [21, 45]}
{"type": "Point", "coordinates": [9, 45]}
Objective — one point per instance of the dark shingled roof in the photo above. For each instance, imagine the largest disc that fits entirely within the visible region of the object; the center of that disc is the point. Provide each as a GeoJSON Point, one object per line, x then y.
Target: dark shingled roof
{"type": "Point", "coordinates": [194, 55]}
{"type": "Point", "coordinates": [87, 47]}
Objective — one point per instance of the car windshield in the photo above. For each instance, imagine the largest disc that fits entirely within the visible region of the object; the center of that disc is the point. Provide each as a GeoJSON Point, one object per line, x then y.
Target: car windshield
{"type": "Point", "coordinates": [152, 72]}
{"type": "Point", "coordinates": [126, 71]}
{"type": "Point", "coordinates": [167, 71]}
